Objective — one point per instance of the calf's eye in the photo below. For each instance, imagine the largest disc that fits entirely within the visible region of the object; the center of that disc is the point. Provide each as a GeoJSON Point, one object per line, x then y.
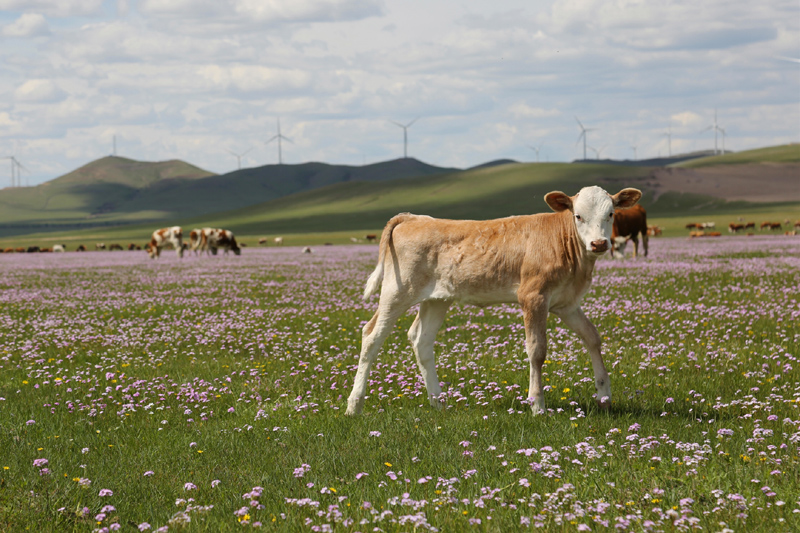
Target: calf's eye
{"type": "Point", "coordinates": [578, 217]}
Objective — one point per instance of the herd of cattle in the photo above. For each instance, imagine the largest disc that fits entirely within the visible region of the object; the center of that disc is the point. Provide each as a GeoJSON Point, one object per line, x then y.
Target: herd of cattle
{"type": "Point", "coordinates": [629, 225]}
{"type": "Point", "coordinates": [698, 229]}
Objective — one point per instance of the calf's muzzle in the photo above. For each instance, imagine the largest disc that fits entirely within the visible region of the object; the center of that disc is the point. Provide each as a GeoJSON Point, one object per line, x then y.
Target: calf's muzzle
{"type": "Point", "coordinates": [600, 246]}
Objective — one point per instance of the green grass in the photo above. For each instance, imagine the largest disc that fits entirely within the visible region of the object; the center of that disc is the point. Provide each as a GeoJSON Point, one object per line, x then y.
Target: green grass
{"type": "Point", "coordinates": [695, 345]}
{"type": "Point", "coordinates": [788, 153]}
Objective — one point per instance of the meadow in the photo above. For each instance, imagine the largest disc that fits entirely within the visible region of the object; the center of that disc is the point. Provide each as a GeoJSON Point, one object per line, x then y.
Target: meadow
{"type": "Point", "coordinates": [208, 394]}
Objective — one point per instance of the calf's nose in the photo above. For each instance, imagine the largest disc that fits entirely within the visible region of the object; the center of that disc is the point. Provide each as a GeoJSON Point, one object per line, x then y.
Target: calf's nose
{"type": "Point", "coordinates": [600, 246]}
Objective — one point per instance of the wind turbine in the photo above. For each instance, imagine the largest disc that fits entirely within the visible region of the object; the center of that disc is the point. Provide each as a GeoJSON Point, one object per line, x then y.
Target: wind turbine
{"type": "Point", "coordinates": [597, 151]}
{"type": "Point", "coordinates": [405, 135]}
{"type": "Point", "coordinates": [240, 156]}
{"type": "Point", "coordinates": [583, 134]}
{"type": "Point", "coordinates": [669, 141]}
{"type": "Point", "coordinates": [635, 156]}
{"type": "Point", "coordinates": [16, 171]}
{"type": "Point", "coordinates": [536, 149]}
{"type": "Point", "coordinates": [717, 129]}
{"type": "Point", "coordinates": [280, 138]}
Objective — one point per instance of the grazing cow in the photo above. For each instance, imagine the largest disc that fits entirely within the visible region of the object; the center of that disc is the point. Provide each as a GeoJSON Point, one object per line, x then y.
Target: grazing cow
{"type": "Point", "coordinates": [371, 237]}
{"type": "Point", "coordinates": [733, 227]}
{"type": "Point", "coordinates": [790, 232]}
{"type": "Point", "coordinates": [196, 239]}
{"type": "Point", "coordinates": [693, 225]}
{"type": "Point", "coordinates": [100, 246]}
{"type": "Point", "coordinates": [262, 241]}
{"type": "Point", "coordinates": [59, 247]}
{"type": "Point", "coordinates": [630, 223]}
{"type": "Point", "coordinates": [714, 234]}
{"type": "Point", "coordinates": [163, 237]}
{"type": "Point", "coordinates": [213, 239]}
{"type": "Point", "coordinates": [695, 234]}
{"type": "Point", "coordinates": [307, 250]}
{"type": "Point", "coordinates": [544, 262]}
{"type": "Point", "coordinates": [708, 225]}
{"type": "Point", "coordinates": [750, 225]}
{"type": "Point", "coordinates": [33, 249]}
{"type": "Point", "coordinates": [654, 231]}
{"type": "Point", "coordinates": [775, 226]}
{"type": "Point", "coordinates": [278, 241]}
{"type": "Point", "coordinates": [80, 248]}
{"type": "Point", "coordinates": [765, 225]}
{"type": "Point", "coordinates": [19, 250]}
{"type": "Point", "coordinates": [115, 247]}
{"type": "Point", "coordinates": [797, 224]}
{"type": "Point", "coordinates": [46, 250]}
{"type": "Point", "coordinates": [131, 246]}
{"type": "Point", "coordinates": [353, 240]}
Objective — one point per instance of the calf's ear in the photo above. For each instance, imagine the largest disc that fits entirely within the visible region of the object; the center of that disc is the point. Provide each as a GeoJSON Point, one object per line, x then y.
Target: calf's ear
{"type": "Point", "coordinates": [626, 198]}
{"type": "Point", "coordinates": [558, 201]}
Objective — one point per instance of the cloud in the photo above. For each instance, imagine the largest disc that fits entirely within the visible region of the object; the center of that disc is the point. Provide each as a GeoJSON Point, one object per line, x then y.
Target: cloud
{"type": "Point", "coordinates": [265, 11]}
{"type": "Point", "coordinates": [523, 110]}
{"type": "Point", "coordinates": [27, 25]}
{"type": "Point", "coordinates": [38, 90]}
{"type": "Point", "coordinates": [54, 8]}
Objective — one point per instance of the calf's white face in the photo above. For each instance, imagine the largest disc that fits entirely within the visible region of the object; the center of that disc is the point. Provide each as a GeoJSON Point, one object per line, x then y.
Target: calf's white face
{"type": "Point", "coordinates": [593, 213]}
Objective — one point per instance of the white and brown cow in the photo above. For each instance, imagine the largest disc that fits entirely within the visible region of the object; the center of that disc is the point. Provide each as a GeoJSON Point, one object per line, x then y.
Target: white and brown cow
{"type": "Point", "coordinates": [544, 262]}
{"type": "Point", "coordinates": [195, 239]}
{"type": "Point", "coordinates": [214, 238]}
{"type": "Point", "coordinates": [163, 237]}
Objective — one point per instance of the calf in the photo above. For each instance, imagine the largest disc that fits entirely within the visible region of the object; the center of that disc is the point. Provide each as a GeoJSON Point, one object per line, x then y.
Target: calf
{"type": "Point", "coordinates": [544, 262]}
{"type": "Point", "coordinates": [166, 236]}
{"type": "Point", "coordinates": [279, 241]}
{"type": "Point", "coordinates": [630, 223]}
{"type": "Point", "coordinates": [262, 241]}
{"type": "Point", "coordinates": [59, 247]}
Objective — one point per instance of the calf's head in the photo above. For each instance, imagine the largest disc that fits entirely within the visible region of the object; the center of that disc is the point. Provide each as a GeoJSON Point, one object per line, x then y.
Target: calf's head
{"type": "Point", "coordinates": [593, 213]}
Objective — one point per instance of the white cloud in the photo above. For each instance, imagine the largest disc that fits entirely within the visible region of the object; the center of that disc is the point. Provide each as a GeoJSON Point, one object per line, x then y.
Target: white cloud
{"type": "Point", "coordinates": [27, 25]}
{"type": "Point", "coordinates": [265, 11]}
{"type": "Point", "coordinates": [38, 90]}
{"type": "Point", "coordinates": [54, 8]}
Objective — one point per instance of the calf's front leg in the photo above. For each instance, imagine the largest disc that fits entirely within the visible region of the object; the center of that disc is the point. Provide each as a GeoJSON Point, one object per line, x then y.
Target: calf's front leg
{"type": "Point", "coordinates": [576, 321]}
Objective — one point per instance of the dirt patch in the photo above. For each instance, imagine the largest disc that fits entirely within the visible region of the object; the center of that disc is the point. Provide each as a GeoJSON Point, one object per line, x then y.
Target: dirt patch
{"type": "Point", "coordinates": [763, 182]}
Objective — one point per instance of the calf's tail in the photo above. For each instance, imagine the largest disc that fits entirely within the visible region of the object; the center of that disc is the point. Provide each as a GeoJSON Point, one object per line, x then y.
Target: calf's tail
{"type": "Point", "coordinates": [376, 278]}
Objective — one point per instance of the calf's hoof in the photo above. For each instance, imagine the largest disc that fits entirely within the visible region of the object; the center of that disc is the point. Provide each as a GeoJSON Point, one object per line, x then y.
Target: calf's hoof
{"type": "Point", "coordinates": [604, 402]}
{"type": "Point", "coordinates": [354, 406]}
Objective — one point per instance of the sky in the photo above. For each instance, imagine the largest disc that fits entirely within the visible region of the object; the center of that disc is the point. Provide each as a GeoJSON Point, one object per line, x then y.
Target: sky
{"type": "Point", "coordinates": [198, 79]}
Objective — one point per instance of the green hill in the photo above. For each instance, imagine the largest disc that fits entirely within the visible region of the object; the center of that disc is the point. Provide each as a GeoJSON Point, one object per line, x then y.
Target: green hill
{"type": "Point", "coordinates": [115, 190]}
{"type": "Point", "coordinates": [95, 192]}
{"type": "Point", "coordinates": [787, 153]}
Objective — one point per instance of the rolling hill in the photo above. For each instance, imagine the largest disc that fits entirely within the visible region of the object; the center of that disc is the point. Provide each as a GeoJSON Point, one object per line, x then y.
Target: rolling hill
{"type": "Point", "coordinates": [115, 190]}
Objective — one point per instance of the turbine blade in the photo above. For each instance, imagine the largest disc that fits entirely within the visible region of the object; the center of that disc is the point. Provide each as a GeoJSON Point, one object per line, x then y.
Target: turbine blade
{"type": "Point", "coordinates": [247, 152]}
{"type": "Point", "coordinates": [410, 123]}
{"type": "Point", "coordinates": [579, 123]}
{"type": "Point", "coordinates": [398, 124]}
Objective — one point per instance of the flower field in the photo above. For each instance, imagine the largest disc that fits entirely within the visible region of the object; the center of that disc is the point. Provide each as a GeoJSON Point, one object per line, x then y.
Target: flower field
{"type": "Point", "coordinates": [208, 394]}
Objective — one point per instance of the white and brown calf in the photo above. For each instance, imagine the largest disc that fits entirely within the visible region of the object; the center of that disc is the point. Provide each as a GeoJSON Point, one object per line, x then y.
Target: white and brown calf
{"type": "Point", "coordinates": [544, 262]}
{"type": "Point", "coordinates": [166, 236]}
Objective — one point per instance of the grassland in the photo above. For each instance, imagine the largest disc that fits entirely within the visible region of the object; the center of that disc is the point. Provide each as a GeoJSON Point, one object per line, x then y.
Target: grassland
{"type": "Point", "coordinates": [207, 395]}
{"type": "Point", "coordinates": [789, 153]}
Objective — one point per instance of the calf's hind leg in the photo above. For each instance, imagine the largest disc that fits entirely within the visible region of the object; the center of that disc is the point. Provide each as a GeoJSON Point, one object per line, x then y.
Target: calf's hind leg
{"type": "Point", "coordinates": [576, 321]}
{"type": "Point", "coordinates": [373, 335]}
{"type": "Point", "coordinates": [422, 336]}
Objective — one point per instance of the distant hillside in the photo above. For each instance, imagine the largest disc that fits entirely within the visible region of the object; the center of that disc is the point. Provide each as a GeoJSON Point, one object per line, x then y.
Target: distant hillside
{"type": "Point", "coordinates": [787, 153]}
{"type": "Point", "coordinates": [510, 189]}
{"type": "Point", "coordinates": [96, 192]}
{"type": "Point", "coordinates": [115, 190]}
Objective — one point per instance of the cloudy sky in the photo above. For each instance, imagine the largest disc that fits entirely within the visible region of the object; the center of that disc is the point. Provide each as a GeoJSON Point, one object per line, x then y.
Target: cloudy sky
{"type": "Point", "coordinates": [195, 79]}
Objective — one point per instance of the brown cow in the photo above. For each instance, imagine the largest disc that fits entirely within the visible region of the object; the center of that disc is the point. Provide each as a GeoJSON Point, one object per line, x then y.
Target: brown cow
{"type": "Point", "coordinates": [750, 225]}
{"type": "Point", "coordinates": [80, 248]}
{"type": "Point", "coordinates": [544, 262]}
{"type": "Point", "coordinates": [19, 250]}
{"type": "Point", "coordinates": [115, 247]}
{"type": "Point", "coordinates": [630, 223]}
{"type": "Point", "coordinates": [371, 237]}
{"type": "Point", "coordinates": [733, 227]}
